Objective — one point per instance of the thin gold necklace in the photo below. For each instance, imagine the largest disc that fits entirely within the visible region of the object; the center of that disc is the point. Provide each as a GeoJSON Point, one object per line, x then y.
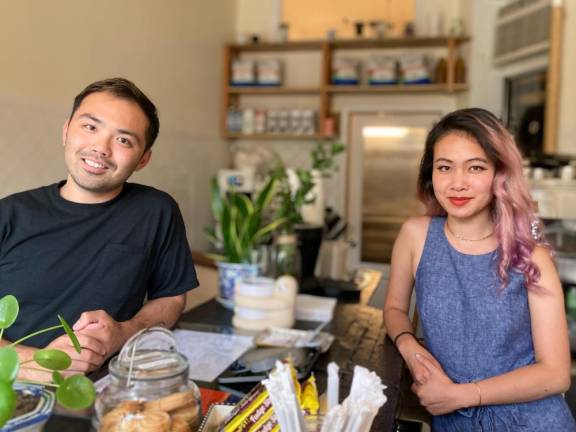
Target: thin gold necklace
{"type": "Point", "coordinates": [466, 239]}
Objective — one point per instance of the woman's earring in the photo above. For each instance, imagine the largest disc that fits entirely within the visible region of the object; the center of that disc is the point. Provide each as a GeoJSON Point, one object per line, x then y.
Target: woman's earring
{"type": "Point", "coordinates": [535, 229]}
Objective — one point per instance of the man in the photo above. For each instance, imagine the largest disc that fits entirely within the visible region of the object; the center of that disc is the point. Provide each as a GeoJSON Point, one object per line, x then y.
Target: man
{"type": "Point", "coordinates": [92, 247]}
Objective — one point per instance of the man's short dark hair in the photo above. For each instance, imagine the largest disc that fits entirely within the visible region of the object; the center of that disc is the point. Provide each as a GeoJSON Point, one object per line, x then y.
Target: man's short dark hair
{"type": "Point", "coordinates": [125, 89]}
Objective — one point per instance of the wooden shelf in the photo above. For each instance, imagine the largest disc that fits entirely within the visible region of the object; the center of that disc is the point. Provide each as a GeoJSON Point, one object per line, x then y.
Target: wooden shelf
{"type": "Point", "coordinates": [396, 88]}
{"type": "Point", "coordinates": [278, 46]}
{"type": "Point", "coordinates": [231, 96]}
{"type": "Point", "coordinates": [236, 136]}
{"type": "Point", "coordinates": [273, 90]}
{"type": "Point", "coordinates": [360, 43]}
{"type": "Point", "coordinates": [385, 43]}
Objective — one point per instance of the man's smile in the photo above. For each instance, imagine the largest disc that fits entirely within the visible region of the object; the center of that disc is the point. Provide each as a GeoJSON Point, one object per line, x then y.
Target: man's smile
{"type": "Point", "coordinates": [94, 164]}
{"type": "Point", "coordinates": [95, 167]}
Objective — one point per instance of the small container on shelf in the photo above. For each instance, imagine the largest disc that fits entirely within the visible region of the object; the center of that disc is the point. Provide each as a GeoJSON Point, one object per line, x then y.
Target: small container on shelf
{"type": "Point", "coordinates": [460, 71]}
{"type": "Point", "coordinates": [260, 121]}
{"type": "Point", "coordinates": [248, 121]}
{"type": "Point", "coordinates": [346, 71]}
{"type": "Point", "coordinates": [329, 127]}
{"type": "Point", "coordinates": [295, 122]}
{"type": "Point", "coordinates": [272, 119]}
{"type": "Point", "coordinates": [414, 69]}
{"type": "Point", "coordinates": [308, 122]}
{"type": "Point", "coordinates": [284, 121]}
{"type": "Point", "coordinates": [382, 70]}
{"type": "Point", "coordinates": [269, 73]}
{"type": "Point", "coordinates": [231, 125]}
{"type": "Point", "coordinates": [440, 71]}
{"type": "Point", "coordinates": [243, 73]}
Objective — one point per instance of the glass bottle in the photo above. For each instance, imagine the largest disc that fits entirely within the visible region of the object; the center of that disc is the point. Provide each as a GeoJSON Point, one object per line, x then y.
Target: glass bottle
{"type": "Point", "coordinates": [460, 71]}
{"type": "Point", "coordinates": [148, 384]}
{"type": "Point", "coordinates": [440, 71]}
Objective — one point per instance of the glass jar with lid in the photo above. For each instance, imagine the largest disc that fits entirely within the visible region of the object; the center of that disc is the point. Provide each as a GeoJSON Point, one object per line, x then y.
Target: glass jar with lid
{"type": "Point", "coordinates": [285, 257]}
{"type": "Point", "coordinates": [148, 387]}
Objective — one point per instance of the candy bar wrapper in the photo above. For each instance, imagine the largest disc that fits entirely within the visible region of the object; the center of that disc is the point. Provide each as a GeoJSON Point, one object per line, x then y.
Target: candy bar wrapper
{"type": "Point", "coordinates": [253, 413]}
{"type": "Point", "coordinates": [309, 396]}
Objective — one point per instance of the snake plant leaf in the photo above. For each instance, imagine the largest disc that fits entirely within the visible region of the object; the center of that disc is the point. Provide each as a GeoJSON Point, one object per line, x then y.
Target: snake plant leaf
{"type": "Point", "coordinates": [70, 334]}
{"type": "Point", "coordinates": [76, 392]}
{"type": "Point", "coordinates": [272, 226]}
{"type": "Point", "coordinates": [210, 233]}
{"type": "Point", "coordinates": [7, 402]}
{"type": "Point", "coordinates": [226, 225]}
{"type": "Point", "coordinates": [217, 200]}
{"type": "Point", "coordinates": [57, 377]}
{"type": "Point", "coordinates": [52, 359]}
{"type": "Point", "coordinates": [267, 193]}
{"type": "Point", "coordinates": [242, 203]}
{"type": "Point", "coordinates": [8, 311]}
{"type": "Point", "coordinates": [9, 364]}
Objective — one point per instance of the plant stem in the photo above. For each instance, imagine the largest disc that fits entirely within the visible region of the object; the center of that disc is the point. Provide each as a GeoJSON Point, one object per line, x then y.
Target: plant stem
{"type": "Point", "coordinates": [27, 361]}
{"type": "Point", "coordinates": [36, 333]}
{"type": "Point", "coordinates": [1, 333]}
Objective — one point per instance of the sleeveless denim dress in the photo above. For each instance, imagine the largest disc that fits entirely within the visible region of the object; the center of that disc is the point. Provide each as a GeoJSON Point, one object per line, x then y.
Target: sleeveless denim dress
{"type": "Point", "coordinates": [476, 331]}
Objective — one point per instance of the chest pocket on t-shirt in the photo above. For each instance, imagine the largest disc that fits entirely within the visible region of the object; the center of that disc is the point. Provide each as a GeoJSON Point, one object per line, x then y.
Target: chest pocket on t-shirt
{"type": "Point", "coordinates": [121, 272]}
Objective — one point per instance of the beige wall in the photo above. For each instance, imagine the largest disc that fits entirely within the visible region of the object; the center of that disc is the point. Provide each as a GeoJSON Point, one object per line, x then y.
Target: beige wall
{"type": "Point", "coordinates": [311, 19]}
{"type": "Point", "coordinates": [171, 49]}
{"type": "Point", "coordinates": [259, 17]}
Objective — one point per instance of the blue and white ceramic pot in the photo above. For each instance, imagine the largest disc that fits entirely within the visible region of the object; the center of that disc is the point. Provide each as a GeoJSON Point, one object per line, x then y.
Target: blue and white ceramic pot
{"type": "Point", "coordinates": [34, 420]}
{"type": "Point", "coordinates": [229, 274]}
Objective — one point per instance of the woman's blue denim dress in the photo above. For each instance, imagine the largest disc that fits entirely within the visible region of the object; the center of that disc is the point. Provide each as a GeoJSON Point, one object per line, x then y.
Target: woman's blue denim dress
{"type": "Point", "coordinates": [476, 330]}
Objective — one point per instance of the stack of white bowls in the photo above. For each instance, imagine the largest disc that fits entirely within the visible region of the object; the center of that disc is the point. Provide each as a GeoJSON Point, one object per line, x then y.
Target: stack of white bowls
{"type": "Point", "coordinates": [261, 303]}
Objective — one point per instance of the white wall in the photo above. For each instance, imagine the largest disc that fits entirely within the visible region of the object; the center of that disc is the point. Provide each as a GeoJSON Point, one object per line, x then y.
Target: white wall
{"type": "Point", "coordinates": [171, 49]}
{"type": "Point", "coordinates": [487, 81]}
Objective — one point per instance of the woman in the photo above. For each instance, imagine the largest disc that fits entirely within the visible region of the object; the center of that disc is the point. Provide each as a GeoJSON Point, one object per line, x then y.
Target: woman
{"type": "Point", "coordinates": [491, 304]}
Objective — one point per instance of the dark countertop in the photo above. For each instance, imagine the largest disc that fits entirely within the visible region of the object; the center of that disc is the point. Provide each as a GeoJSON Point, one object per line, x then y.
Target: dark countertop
{"type": "Point", "coordinates": [360, 340]}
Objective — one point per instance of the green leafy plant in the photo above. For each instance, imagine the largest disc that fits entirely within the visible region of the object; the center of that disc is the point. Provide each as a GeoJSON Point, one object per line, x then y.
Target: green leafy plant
{"type": "Point", "coordinates": [323, 156]}
{"type": "Point", "coordinates": [73, 392]}
{"type": "Point", "coordinates": [242, 223]}
{"type": "Point", "coordinates": [290, 201]}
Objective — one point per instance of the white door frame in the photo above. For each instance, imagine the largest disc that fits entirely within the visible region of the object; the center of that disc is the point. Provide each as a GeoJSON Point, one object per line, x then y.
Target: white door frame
{"type": "Point", "coordinates": [354, 173]}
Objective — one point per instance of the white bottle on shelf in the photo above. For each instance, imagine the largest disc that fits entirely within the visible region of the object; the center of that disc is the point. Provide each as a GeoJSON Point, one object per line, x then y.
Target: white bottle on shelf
{"type": "Point", "coordinates": [248, 121]}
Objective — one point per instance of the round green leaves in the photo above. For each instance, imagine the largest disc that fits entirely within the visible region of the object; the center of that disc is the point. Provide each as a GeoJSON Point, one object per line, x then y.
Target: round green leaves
{"type": "Point", "coordinates": [8, 311]}
{"type": "Point", "coordinates": [76, 392]}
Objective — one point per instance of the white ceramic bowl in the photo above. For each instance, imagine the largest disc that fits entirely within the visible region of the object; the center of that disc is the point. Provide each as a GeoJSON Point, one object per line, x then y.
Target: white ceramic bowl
{"type": "Point", "coordinates": [32, 421]}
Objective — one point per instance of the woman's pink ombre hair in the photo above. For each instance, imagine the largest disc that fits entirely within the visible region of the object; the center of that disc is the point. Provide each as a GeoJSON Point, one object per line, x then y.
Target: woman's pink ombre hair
{"type": "Point", "coordinates": [512, 208]}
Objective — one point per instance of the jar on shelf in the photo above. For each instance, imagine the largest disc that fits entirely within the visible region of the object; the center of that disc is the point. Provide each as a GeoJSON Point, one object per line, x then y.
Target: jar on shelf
{"type": "Point", "coordinates": [148, 387]}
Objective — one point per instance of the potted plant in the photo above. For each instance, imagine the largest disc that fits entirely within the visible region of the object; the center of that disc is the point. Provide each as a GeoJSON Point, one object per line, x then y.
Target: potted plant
{"type": "Point", "coordinates": [73, 392]}
{"type": "Point", "coordinates": [300, 199]}
{"type": "Point", "coordinates": [243, 225]}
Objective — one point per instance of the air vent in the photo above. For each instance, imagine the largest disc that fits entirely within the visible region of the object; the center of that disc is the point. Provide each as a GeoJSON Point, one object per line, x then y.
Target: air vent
{"type": "Point", "coordinates": [522, 30]}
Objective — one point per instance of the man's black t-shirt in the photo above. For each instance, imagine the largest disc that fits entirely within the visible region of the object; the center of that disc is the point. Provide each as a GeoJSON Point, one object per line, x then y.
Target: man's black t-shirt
{"type": "Point", "coordinates": [60, 257]}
